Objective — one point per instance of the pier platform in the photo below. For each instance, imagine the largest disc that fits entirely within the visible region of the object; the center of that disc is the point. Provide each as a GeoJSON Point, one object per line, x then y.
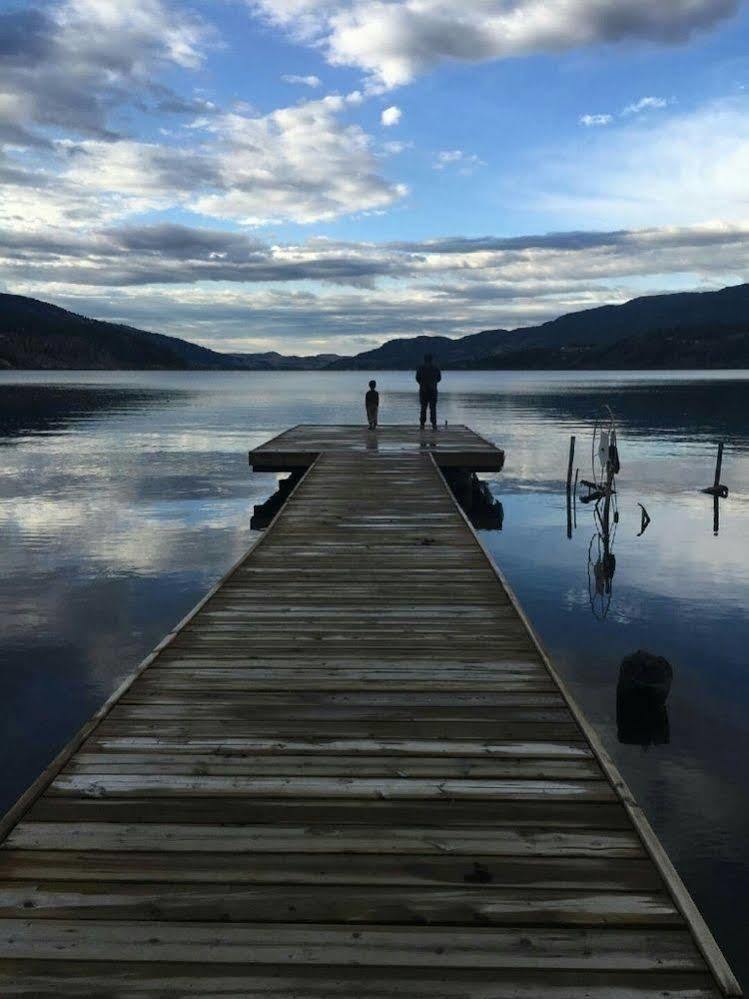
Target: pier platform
{"type": "Point", "coordinates": [351, 771]}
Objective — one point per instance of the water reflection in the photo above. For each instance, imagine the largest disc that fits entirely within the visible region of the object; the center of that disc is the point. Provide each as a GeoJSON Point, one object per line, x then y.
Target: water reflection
{"type": "Point", "coordinates": [44, 409]}
{"type": "Point", "coordinates": [600, 492]}
{"type": "Point", "coordinates": [601, 569]}
{"type": "Point", "coordinates": [674, 408]}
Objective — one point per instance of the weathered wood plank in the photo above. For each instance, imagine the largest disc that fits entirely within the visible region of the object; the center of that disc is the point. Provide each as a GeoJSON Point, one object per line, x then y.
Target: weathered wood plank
{"type": "Point", "coordinates": [320, 765]}
{"type": "Point", "coordinates": [219, 709]}
{"type": "Point", "coordinates": [228, 746]}
{"type": "Point", "coordinates": [177, 785]}
{"type": "Point", "coordinates": [182, 837]}
{"type": "Point", "coordinates": [378, 946]}
{"type": "Point", "coordinates": [460, 731]}
{"type": "Point", "coordinates": [382, 700]}
{"type": "Point", "coordinates": [280, 811]}
{"type": "Point", "coordinates": [167, 980]}
{"type": "Point", "coordinates": [567, 873]}
{"type": "Point", "coordinates": [467, 906]}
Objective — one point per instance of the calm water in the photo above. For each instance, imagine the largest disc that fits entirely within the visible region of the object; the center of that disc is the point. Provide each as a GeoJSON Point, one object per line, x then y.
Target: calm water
{"type": "Point", "coordinates": [124, 496]}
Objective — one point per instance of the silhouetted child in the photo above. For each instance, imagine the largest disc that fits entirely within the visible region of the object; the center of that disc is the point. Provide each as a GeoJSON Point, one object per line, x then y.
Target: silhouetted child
{"type": "Point", "coordinates": [372, 404]}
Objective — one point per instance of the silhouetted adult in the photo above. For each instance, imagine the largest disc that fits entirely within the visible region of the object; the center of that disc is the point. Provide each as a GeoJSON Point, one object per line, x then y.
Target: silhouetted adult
{"type": "Point", "coordinates": [428, 375]}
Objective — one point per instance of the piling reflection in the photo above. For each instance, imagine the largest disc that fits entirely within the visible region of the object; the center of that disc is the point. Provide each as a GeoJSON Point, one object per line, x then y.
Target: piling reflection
{"type": "Point", "coordinates": [601, 492]}
{"type": "Point", "coordinates": [601, 569]}
{"type": "Point", "coordinates": [641, 693]}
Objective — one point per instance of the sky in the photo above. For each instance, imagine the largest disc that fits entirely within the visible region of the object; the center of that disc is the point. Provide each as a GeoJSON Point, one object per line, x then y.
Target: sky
{"type": "Point", "coordinates": [323, 175]}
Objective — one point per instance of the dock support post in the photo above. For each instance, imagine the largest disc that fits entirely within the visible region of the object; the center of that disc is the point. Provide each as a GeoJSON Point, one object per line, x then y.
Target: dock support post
{"type": "Point", "coordinates": [716, 489]}
{"type": "Point", "coordinates": [569, 485]}
{"type": "Point", "coordinates": [718, 466]}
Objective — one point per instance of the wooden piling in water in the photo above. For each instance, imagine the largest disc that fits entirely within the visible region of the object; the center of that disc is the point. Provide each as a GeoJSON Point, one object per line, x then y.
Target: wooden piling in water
{"type": "Point", "coordinates": [569, 485]}
{"type": "Point", "coordinates": [718, 490]}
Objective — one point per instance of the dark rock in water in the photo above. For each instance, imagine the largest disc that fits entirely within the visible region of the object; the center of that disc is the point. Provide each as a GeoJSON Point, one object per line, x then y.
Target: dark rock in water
{"type": "Point", "coordinates": [644, 684]}
{"type": "Point", "coordinates": [645, 672]}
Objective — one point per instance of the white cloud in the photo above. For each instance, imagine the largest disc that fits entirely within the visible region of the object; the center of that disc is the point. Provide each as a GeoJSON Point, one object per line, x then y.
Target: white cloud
{"type": "Point", "coordinates": [394, 148]}
{"type": "Point", "coordinates": [448, 156]}
{"type": "Point", "coordinates": [391, 116]}
{"type": "Point", "coordinates": [637, 107]}
{"type": "Point", "coordinates": [127, 34]}
{"type": "Point", "coordinates": [72, 62]}
{"type": "Point", "coordinates": [677, 170]}
{"type": "Point", "coordinates": [466, 162]}
{"type": "Point", "coordinates": [306, 81]}
{"type": "Point", "coordinates": [133, 176]}
{"type": "Point", "coordinates": [395, 40]}
{"type": "Point", "coordinates": [301, 163]}
{"type": "Point", "coordinates": [593, 120]}
{"type": "Point", "coordinates": [96, 181]}
{"type": "Point", "coordinates": [215, 285]}
{"type": "Point", "coordinates": [646, 104]}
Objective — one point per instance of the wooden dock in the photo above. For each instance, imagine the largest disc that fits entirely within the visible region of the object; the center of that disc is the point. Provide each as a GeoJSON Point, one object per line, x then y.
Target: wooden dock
{"type": "Point", "coordinates": [350, 772]}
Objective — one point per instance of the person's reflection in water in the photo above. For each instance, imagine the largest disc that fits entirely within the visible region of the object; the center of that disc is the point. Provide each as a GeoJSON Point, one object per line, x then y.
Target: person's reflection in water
{"type": "Point", "coordinates": [641, 715]}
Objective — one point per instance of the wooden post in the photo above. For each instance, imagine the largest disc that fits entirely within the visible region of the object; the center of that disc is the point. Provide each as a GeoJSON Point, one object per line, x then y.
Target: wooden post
{"type": "Point", "coordinates": [569, 463]}
{"type": "Point", "coordinates": [716, 489]}
{"type": "Point", "coordinates": [718, 465]}
{"type": "Point", "coordinates": [569, 486]}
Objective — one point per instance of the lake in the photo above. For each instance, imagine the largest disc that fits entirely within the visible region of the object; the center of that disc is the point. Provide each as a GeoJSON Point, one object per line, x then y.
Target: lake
{"type": "Point", "coordinates": [124, 496]}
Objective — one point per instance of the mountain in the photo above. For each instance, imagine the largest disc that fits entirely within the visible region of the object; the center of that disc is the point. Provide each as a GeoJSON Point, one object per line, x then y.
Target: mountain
{"type": "Point", "coordinates": [683, 330]}
{"type": "Point", "coordinates": [587, 338]}
{"type": "Point", "coordinates": [406, 353]}
{"type": "Point", "coordinates": [285, 362]}
{"type": "Point", "coordinates": [37, 335]}
{"type": "Point", "coordinates": [647, 315]}
{"type": "Point", "coordinates": [681, 348]}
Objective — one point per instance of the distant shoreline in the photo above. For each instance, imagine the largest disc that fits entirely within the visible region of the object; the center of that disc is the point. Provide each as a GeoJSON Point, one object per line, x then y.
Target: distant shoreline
{"type": "Point", "coordinates": [375, 370]}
